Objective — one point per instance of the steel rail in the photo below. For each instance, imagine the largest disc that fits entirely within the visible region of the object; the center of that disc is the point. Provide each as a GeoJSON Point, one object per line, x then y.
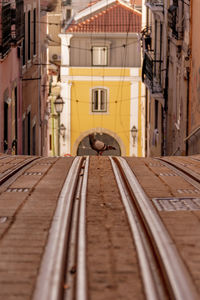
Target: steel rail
{"type": "Point", "coordinates": [189, 175]}
{"type": "Point", "coordinates": [76, 258]}
{"type": "Point", "coordinates": [180, 285]}
{"type": "Point", "coordinates": [49, 285]}
{"type": "Point", "coordinates": [71, 260]}
{"type": "Point", "coordinates": [12, 171]}
{"type": "Point", "coordinates": [81, 284]}
{"type": "Point", "coordinates": [147, 276]}
{"type": "Point", "coordinates": [3, 157]}
{"type": "Point", "coordinates": [10, 179]}
{"type": "Point", "coordinates": [195, 158]}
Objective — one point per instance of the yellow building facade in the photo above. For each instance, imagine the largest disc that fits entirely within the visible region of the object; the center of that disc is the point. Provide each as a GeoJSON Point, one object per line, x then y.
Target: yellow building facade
{"type": "Point", "coordinates": [125, 108]}
{"type": "Point", "coordinates": [118, 83]}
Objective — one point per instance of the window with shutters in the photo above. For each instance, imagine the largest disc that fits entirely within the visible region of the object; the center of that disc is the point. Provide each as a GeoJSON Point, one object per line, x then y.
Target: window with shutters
{"type": "Point", "coordinates": [99, 56]}
{"type": "Point", "coordinates": [99, 100]}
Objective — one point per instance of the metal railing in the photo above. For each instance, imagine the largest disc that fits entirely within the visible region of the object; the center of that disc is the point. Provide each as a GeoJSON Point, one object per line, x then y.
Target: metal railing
{"type": "Point", "coordinates": [155, 2]}
{"type": "Point", "coordinates": [5, 29]}
{"type": "Point", "coordinates": [151, 72]}
{"type": "Point", "coordinates": [17, 14]}
{"type": "Point", "coordinates": [177, 31]}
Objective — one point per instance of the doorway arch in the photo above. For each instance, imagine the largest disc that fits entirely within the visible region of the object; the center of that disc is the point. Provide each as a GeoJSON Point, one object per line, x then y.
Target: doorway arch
{"type": "Point", "coordinates": [82, 146]}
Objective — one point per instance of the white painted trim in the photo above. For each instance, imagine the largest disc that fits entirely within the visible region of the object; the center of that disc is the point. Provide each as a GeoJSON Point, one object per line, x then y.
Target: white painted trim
{"type": "Point", "coordinates": [134, 116]}
{"type": "Point", "coordinates": [99, 78]}
{"type": "Point", "coordinates": [34, 121]}
{"type": "Point", "coordinates": [65, 50]}
{"type": "Point", "coordinates": [143, 114]}
{"type": "Point", "coordinates": [28, 109]}
{"type": "Point", "coordinates": [111, 35]}
{"type": "Point", "coordinates": [132, 69]}
{"type": "Point", "coordinates": [107, 101]}
{"type": "Point", "coordinates": [99, 5]}
{"type": "Point", "coordinates": [65, 118]}
{"type": "Point", "coordinates": [64, 71]}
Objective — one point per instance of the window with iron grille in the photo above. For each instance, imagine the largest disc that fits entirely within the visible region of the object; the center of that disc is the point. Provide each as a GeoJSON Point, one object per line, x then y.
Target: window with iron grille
{"type": "Point", "coordinates": [34, 31]}
{"type": "Point", "coordinates": [99, 100]}
{"type": "Point", "coordinates": [5, 33]}
{"type": "Point", "coordinates": [17, 14]}
{"type": "Point", "coordinates": [99, 56]}
{"type": "Point", "coordinates": [24, 44]}
{"type": "Point", "coordinates": [29, 35]}
{"type": "Point", "coordinates": [68, 14]}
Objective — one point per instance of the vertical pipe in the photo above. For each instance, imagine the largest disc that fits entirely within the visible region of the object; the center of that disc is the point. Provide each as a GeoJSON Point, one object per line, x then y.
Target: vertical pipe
{"type": "Point", "coordinates": [189, 79]}
{"type": "Point", "coordinates": [187, 110]}
{"type": "Point", "coordinates": [39, 83]}
{"type": "Point", "coordinates": [58, 132]}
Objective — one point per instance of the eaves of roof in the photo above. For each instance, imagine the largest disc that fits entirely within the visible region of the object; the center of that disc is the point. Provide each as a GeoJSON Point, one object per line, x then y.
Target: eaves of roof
{"type": "Point", "coordinates": [116, 17]}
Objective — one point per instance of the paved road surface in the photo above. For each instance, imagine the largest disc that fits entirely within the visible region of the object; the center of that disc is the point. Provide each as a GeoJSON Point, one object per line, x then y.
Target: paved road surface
{"type": "Point", "coordinates": [28, 202]}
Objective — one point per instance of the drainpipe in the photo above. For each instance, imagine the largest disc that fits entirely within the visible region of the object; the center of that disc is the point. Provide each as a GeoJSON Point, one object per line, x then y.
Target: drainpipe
{"type": "Point", "coordinates": [164, 129]}
{"type": "Point", "coordinates": [166, 67]}
{"type": "Point", "coordinates": [39, 84]}
{"type": "Point", "coordinates": [187, 112]}
{"type": "Point", "coordinates": [188, 79]}
{"type": "Point", "coordinates": [146, 121]}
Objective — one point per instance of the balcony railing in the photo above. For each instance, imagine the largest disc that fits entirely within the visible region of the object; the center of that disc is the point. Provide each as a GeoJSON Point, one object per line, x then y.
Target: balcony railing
{"type": "Point", "coordinates": [176, 31]}
{"type": "Point", "coordinates": [17, 14]}
{"type": "Point", "coordinates": [155, 5]}
{"type": "Point", "coordinates": [66, 2]}
{"type": "Point", "coordinates": [151, 73]}
{"type": "Point", "coordinates": [5, 29]}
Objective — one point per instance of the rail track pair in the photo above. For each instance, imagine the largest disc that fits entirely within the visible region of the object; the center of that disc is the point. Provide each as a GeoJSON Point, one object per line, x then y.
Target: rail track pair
{"type": "Point", "coordinates": [164, 275]}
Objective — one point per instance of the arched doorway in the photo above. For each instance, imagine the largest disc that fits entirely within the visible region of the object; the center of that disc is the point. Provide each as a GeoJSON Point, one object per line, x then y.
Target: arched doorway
{"type": "Point", "coordinates": [85, 149]}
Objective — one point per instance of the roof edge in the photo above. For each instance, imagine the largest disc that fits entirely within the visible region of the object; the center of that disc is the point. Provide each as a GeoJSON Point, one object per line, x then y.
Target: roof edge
{"type": "Point", "coordinates": [99, 5]}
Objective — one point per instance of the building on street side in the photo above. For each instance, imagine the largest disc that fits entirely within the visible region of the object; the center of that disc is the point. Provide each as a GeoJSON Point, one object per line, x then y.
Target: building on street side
{"type": "Point", "coordinates": [166, 61]}
{"type": "Point", "coordinates": [101, 79]}
{"type": "Point", "coordinates": [23, 76]}
{"type": "Point", "coordinates": [193, 134]}
{"type": "Point", "coordinates": [11, 36]}
{"type": "Point", "coordinates": [34, 77]}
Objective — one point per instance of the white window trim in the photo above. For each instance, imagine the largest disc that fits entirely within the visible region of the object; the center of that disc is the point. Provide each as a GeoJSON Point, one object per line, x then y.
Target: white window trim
{"type": "Point", "coordinates": [101, 43]}
{"type": "Point", "coordinates": [103, 57]}
{"type": "Point", "coordinates": [98, 112]}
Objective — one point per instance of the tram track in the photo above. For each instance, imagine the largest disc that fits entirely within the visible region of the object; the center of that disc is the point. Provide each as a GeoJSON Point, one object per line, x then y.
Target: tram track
{"type": "Point", "coordinates": [13, 170]}
{"type": "Point", "coordinates": [182, 170]}
{"type": "Point", "coordinates": [63, 271]}
{"type": "Point", "coordinates": [167, 277]}
{"type": "Point", "coordinates": [65, 255]}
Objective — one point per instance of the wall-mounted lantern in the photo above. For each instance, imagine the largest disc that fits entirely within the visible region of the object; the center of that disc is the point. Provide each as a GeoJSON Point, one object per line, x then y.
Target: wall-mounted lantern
{"type": "Point", "coordinates": [134, 132]}
{"type": "Point", "coordinates": [59, 103]}
{"type": "Point", "coordinates": [62, 130]}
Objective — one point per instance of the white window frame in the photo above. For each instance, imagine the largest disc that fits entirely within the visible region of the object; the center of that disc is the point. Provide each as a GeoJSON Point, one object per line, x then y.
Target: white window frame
{"type": "Point", "coordinates": [99, 55]}
{"type": "Point", "coordinates": [97, 102]}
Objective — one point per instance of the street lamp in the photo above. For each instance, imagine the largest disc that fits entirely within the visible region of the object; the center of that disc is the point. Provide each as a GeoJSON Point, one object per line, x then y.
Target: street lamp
{"type": "Point", "coordinates": [134, 132]}
{"type": "Point", "coordinates": [58, 103]}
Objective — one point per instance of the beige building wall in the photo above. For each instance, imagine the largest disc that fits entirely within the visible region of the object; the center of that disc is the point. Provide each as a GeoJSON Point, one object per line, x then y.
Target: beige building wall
{"type": "Point", "coordinates": [194, 104]}
{"type": "Point", "coordinates": [34, 79]}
